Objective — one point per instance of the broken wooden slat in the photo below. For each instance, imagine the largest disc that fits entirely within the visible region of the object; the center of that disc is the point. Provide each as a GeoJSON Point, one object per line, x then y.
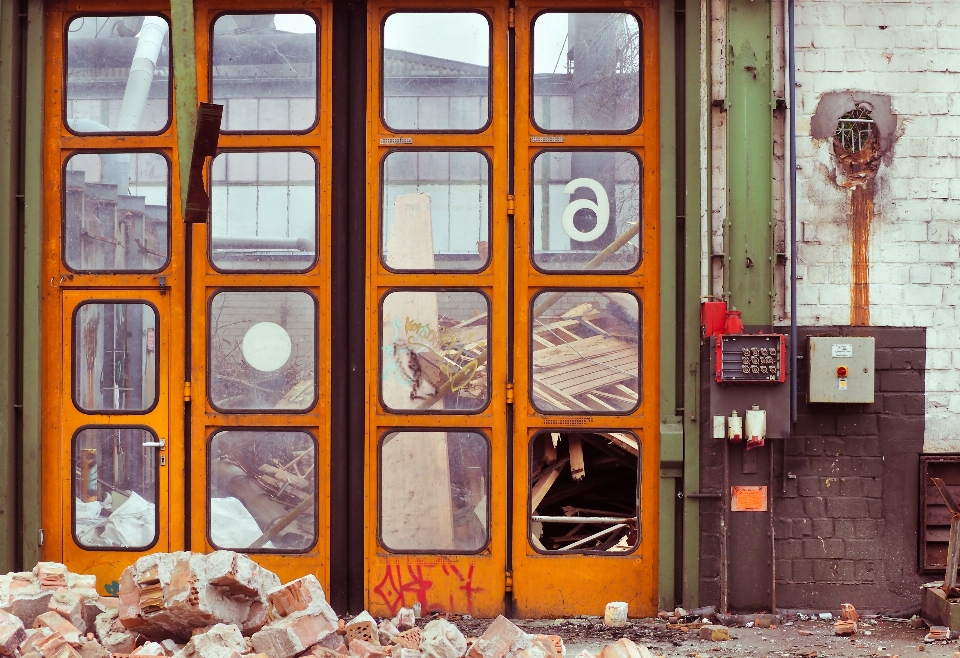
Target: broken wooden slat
{"type": "Point", "coordinates": [577, 467]}
{"type": "Point", "coordinates": [621, 440]}
{"type": "Point", "coordinates": [583, 541]}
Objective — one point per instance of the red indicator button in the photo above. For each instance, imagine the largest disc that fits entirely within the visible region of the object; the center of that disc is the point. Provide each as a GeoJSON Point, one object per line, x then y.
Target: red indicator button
{"type": "Point", "coordinates": [841, 371]}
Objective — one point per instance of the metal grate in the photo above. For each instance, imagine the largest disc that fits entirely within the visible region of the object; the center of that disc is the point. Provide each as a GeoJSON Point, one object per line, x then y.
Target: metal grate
{"type": "Point", "coordinates": [854, 129]}
{"type": "Point", "coordinates": [569, 421]}
{"type": "Point", "coordinates": [934, 517]}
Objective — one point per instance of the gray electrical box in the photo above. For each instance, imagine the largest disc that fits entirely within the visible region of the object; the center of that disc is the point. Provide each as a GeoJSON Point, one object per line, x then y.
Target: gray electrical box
{"type": "Point", "coordinates": [841, 369]}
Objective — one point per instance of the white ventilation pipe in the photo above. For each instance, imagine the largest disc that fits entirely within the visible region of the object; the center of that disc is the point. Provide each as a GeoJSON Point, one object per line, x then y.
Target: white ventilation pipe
{"type": "Point", "coordinates": [152, 33]}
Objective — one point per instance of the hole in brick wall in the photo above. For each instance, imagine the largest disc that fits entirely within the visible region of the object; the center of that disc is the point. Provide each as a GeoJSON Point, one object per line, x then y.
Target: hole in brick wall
{"type": "Point", "coordinates": [854, 129]}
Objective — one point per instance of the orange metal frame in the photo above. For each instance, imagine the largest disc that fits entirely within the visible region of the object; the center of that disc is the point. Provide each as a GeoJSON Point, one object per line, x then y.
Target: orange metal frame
{"type": "Point", "coordinates": [543, 585]}
{"type": "Point", "coordinates": [63, 290]}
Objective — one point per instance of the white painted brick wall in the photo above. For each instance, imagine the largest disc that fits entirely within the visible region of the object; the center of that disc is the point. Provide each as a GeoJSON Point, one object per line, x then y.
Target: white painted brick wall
{"type": "Point", "coordinates": [910, 51]}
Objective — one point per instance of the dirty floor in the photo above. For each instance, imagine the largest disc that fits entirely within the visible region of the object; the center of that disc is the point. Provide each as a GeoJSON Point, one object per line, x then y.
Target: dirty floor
{"type": "Point", "coordinates": [794, 638]}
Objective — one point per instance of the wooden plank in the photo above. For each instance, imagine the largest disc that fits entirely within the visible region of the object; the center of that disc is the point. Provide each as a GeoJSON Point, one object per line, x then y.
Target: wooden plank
{"type": "Point", "coordinates": [600, 402]}
{"type": "Point", "coordinates": [416, 506]}
{"type": "Point", "coordinates": [622, 440]}
{"type": "Point", "coordinates": [545, 393]}
{"type": "Point", "coordinates": [541, 488]}
{"type": "Point", "coordinates": [578, 470]}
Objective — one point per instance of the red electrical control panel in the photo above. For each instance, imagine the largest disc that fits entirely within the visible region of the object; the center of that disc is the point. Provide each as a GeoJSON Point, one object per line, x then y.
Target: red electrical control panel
{"type": "Point", "coordinates": [751, 359]}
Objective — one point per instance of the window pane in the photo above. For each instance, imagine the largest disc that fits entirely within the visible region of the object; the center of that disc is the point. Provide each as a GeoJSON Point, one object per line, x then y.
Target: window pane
{"type": "Point", "coordinates": [436, 71]}
{"type": "Point", "coordinates": [586, 352]}
{"type": "Point", "coordinates": [583, 203]}
{"type": "Point", "coordinates": [569, 512]}
{"type": "Point", "coordinates": [434, 488]}
{"type": "Point", "coordinates": [434, 351]}
{"type": "Point", "coordinates": [116, 216]}
{"type": "Point", "coordinates": [115, 488]}
{"type": "Point", "coordinates": [263, 208]}
{"type": "Point", "coordinates": [118, 74]}
{"type": "Point", "coordinates": [258, 478]}
{"type": "Point", "coordinates": [115, 357]}
{"type": "Point", "coordinates": [435, 210]}
{"type": "Point", "coordinates": [262, 354]}
{"type": "Point", "coordinates": [586, 71]}
{"type": "Point", "coordinates": [265, 71]}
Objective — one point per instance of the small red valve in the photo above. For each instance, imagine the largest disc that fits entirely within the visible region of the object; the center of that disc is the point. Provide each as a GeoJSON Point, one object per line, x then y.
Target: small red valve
{"type": "Point", "coordinates": [841, 371]}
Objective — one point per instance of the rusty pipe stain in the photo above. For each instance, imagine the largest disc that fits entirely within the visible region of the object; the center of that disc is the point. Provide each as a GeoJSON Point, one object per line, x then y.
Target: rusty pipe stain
{"type": "Point", "coordinates": [859, 170]}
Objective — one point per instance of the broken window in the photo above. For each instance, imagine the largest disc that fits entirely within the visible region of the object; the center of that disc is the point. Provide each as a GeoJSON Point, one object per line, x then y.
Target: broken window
{"type": "Point", "coordinates": [586, 211]}
{"type": "Point", "coordinates": [584, 492]}
{"type": "Point", "coordinates": [115, 212]}
{"type": "Point", "coordinates": [262, 353]}
{"type": "Point", "coordinates": [115, 488]}
{"type": "Point", "coordinates": [263, 490]}
{"type": "Point", "coordinates": [433, 353]}
{"type": "Point", "coordinates": [434, 491]}
{"type": "Point", "coordinates": [436, 71]}
{"type": "Point", "coordinates": [118, 74]}
{"type": "Point", "coordinates": [586, 71]}
{"type": "Point", "coordinates": [115, 357]}
{"type": "Point", "coordinates": [264, 72]}
{"type": "Point", "coordinates": [586, 352]}
{"type": "Point", "coordinates": [263, 211]}
{"type": "Point", "coordinates": [435, 211]}
{"type": "Point", "coordinates": [854, 129]}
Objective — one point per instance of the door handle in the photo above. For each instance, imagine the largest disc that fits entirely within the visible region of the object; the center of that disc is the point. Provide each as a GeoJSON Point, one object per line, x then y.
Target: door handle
{"type": "Point", "coordinates": [162, 444]}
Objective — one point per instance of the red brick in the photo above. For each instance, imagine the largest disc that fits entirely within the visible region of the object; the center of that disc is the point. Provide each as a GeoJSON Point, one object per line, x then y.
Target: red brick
{"type": "Point", "coordinates": [496, 640]}
{"type": "Point", "coordinates": [58, 624]}
{"type": "Point", "coordinates": [12, 633]}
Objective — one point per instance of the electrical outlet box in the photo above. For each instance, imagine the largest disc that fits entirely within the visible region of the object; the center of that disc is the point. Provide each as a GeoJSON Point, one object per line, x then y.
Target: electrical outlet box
{"type": "Point", "coordinates": [842, 369]}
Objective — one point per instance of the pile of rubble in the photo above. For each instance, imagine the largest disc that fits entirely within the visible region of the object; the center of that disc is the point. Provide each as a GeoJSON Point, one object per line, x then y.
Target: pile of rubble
{"type": "Point", "coordinates": [224, 605]}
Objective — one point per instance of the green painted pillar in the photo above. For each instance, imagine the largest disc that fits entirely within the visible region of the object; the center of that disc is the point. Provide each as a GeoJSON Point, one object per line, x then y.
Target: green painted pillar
{"type": "Point", "coordinates": [9, 242]}
{"type": "Point", "coordinates": [183, 43]}
{"type": "Point", "coordinates": [749, 233]}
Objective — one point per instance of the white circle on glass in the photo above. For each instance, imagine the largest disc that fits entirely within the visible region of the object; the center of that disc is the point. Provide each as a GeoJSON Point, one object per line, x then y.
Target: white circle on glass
{"type": "Point", "coordinates": [266, 346]}
{"type": "Point", "coordinates": [601, 208]}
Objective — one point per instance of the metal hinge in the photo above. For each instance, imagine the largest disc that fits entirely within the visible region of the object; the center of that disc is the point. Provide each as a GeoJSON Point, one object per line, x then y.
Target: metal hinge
{"type": "Point", "coordinates": [41, 536]}
{"type": "Point", "coordinates": [510, 393]}
{"type": "Point", "coordinates": [511, 206]}
{"type": "Point", "coordinates": [511, 17]}
{"type": "Point", "coordinates": [186, 391]}
{"type": "Point", "coordinates": [508, 581]}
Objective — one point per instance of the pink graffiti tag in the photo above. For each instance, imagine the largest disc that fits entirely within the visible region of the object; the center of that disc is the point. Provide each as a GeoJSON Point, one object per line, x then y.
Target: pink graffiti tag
{"type": "Point", "coordinates": [396, 592]}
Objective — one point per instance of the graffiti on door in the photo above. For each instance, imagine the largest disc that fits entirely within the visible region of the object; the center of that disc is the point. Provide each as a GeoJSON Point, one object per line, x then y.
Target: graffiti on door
{"type": "Point", "coordinates": [439, 585]}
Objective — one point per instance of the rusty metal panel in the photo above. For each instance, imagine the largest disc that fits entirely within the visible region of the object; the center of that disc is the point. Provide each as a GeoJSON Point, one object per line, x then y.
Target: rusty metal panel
{"type": "Point", "coordinates": [934, 532]}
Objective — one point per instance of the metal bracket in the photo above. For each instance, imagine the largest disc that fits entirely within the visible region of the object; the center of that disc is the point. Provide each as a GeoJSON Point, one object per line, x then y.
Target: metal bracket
{"type": "Point", "coordinates": [204, 146]}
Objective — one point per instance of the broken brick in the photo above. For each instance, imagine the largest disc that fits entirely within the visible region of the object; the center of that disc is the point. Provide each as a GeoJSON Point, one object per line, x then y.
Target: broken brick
{"type": "Point", "coordinates": [845, 627]}
{"type": "Point", "coordinates": [848, 612]}
{"type": "Point", "coordinates": [55, 646]}
{"type": "Point", "coordinates": [496, 640]}
{"type": "Point", "coordinates": [386, 631]}
{"type": "Point", "coordinates": [58, 624]}
{"type": "Point", "coordinates": [150, 649]}
{"type": "Point", "coordinates": [409, 639]}
{"type": "Point", "coordinates": [714, 633]}
{"type": "Point", "coordinates": [92, 649]}
{"type": "Point", "coordinates": [364, 630]}
{"type": "Point", "coordinates": [554, 642]}
{"type": "Point", "coordinates": [221, 641]}
{"type": "Point", "coordinates": [441, 639]}
{"type": "Point", "coordinates": [363, 649]}
{"type": "Point", "coordinates": [12, 633]}
{"type": "Point", "coordinates": [68, 605]}
{"type": "Point", "coordinates": [52, 575]}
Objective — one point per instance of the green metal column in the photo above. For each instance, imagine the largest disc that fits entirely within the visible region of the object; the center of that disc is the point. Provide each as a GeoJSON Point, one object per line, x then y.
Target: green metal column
{"type": "Point", "coordinates": [183, 42]}
{"type": "Point", "coordinates": [31, 262]}
{"type": "Point", "coordinates": [671, 432]}
{"type": "Point", "coordinates": [9, 259]}
{"type": "Point", "coordinates": [694, 77]}
{"type": "Point", "coordinates": [749, 233]}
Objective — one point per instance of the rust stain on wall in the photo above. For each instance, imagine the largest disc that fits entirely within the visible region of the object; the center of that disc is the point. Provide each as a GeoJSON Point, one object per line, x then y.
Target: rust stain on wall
{"type": "Point", "coordinates": [859, 171]}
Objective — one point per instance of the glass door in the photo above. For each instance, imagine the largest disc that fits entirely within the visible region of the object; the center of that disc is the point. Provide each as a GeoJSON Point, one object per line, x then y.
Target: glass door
{"type": "Point", "coordinates": [259, 323]}
{"type": "Point", "coordinates": [586, 444]}
{"type": "Point", "coordinates": [112, 282]}
{"type": "Point", "coordinates": [565, 449]}
{"type": "Point", "coordinates": [437, 231]}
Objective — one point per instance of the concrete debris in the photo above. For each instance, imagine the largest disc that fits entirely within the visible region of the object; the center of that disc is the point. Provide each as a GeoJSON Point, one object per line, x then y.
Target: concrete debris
{"type": "Point", "coordinates": [441, 639]}
{"type": "Point", "coordinates": [615, 614]}
{"type": "Point", "coordinates": [12, 633]}
{"type": "Point", "coordinates": [405, 619]}
{"type": "Point", "coordinates": [224, 605]}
